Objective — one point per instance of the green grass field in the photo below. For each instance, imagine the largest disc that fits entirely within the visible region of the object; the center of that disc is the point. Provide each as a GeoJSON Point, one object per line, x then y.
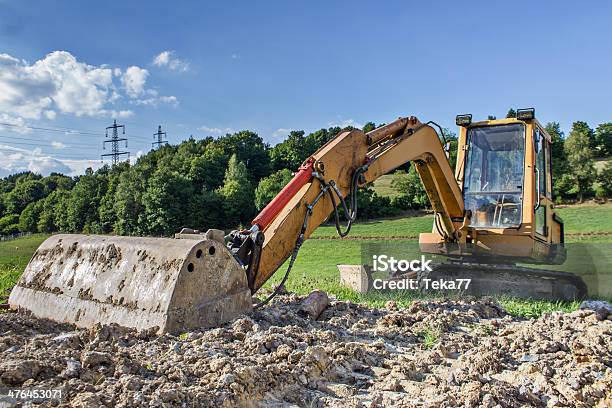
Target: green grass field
{"type": "Point", "coordinates": [315, 267]}
{"type": "Point", "coordinates": [409, 227]}
{"type": "Point", "coordinates": [382, 186]}
{"type": "Point", "coordinates": [584, 219]}
{"type": "Point", "coordinates": [14, 256]}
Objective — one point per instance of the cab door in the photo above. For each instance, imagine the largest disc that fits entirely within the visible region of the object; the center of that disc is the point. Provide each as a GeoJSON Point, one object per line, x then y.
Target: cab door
{"type": "Point", "coordinates": [543, 183]}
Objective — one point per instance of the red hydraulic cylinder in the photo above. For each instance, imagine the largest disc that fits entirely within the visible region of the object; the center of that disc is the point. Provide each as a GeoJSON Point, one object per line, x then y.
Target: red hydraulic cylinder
{"type": "Point", "coordinates": [303, 176]}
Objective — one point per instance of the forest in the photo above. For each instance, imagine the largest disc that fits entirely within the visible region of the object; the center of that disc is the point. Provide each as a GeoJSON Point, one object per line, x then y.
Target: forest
{"type": "Point", "coordinates": [223, 182]}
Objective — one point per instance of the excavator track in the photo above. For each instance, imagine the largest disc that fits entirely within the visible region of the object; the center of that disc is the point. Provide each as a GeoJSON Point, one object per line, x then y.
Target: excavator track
{"type": "Point", "coordinates": [509, 280]}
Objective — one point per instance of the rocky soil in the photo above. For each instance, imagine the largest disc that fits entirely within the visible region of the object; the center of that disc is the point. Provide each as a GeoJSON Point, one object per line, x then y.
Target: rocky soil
{"type": "Point", "coordinates": [434, 353]}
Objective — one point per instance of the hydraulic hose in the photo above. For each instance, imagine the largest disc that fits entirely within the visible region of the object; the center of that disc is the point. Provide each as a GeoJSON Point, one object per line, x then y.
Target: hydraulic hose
{"type": "Point", "coordinates": [350, 211]}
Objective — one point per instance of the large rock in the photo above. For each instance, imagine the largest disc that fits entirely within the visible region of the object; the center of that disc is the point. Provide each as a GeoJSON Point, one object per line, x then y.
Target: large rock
{"type": "Point", "coordinates": [601, 308]}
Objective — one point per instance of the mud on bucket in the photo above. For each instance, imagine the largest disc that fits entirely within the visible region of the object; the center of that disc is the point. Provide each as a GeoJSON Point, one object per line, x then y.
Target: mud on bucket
{"type": "Point", "coordinates": [172, 284]}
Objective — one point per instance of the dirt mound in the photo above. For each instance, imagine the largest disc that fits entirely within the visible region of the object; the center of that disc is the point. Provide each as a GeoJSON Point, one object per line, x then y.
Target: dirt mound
{"type": "Point", "coordinates": [434, 353]}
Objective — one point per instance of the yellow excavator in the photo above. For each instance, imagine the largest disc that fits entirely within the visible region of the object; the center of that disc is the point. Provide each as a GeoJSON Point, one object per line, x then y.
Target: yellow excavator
{"type": "Point", "coordinates": [493, 211]}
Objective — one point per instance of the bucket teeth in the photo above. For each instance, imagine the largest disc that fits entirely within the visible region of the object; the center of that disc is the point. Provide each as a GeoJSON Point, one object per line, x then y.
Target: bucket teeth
{"type": "Point", "coordinates": [173, 285]}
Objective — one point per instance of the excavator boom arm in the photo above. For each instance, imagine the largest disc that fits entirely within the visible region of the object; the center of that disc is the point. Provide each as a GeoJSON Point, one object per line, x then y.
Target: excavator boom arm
{"type": "Point", "coordinates": [331, 174]}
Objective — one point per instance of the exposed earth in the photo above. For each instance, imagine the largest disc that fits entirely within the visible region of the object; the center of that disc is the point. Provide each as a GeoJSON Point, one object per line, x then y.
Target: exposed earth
{"type": "Point", "coordinates": [434, 353]}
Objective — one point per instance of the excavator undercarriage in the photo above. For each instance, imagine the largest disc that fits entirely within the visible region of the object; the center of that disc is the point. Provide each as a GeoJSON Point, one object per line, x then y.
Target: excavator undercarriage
{"type": "Point", "coordinates": [508, 280]}
{"type": "Point", "coordinates": [205, 279]}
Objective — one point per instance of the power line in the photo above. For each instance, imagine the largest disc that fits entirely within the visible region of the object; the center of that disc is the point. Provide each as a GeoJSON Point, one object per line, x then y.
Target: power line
{"type": "Point", "coordinates": [62, 156]}
{"type": "Point", "coordinates": [64, 130]}
{"type": "Point", "coordinates": [114, 141]}
{"type": "Point", "coordinates": [42, 141]}
{"type": "Point", "coordinates": [29, 144]}
{"type": "Point", "coordinates": [67, 131]}
{"type": "Point", "coordinates": [160, 136]}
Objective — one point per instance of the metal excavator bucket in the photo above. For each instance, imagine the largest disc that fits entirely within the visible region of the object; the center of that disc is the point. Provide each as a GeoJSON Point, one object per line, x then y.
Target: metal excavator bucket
{"type": "Point", "coordinates": [170, 284]}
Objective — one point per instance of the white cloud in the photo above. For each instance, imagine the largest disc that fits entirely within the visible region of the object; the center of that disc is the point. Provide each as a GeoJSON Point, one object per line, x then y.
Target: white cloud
{"type": "Point", "coordinates": [14, 124]}
{"type": "Point", "coordinates": [167, 59]}
{"type": "Point", "coordinates": [58, 79]}
{"type": "Point", "coordinates": [81, 89]}
{"type": "Point", "coordinates": [162, 59]}
{"type": "Point", "coordinates": [78, 167]}
{"type": "Point", "coordinates": [154, 101]}
{"type": "Point", "coordinates": [169, 99]}
{"type": "Point", "coordinates": [25, 90]}
{"type": "Point", "coordinates": [14, 160]}
{"type": "Point", "coordinates": [125, 114]}
{"type": "Point", "coordinates": [348, 122]}
{"type": "Point", "coordinates": [139, 154]}
{"type": "Point", "coordinates": [115, 96]}
{"type": "Point", "coordinates": [134, 80]}
{"type": "Point", "coordinates": [58, 145]}
{"type": "Point", "coordinates": [215, 130]}
{"type": "Point", "coordinates": [61, 84]}
{"type": "Point", "coordinates": [281, 132]}
{"type": "Point", "coordinates": [122, 114]}
{"type": "Point", "coordinates": [47, 164]}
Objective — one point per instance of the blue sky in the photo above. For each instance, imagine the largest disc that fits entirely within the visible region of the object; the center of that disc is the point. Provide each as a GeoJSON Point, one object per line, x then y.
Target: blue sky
{"type": "Point", "coordinates": [274, 66]}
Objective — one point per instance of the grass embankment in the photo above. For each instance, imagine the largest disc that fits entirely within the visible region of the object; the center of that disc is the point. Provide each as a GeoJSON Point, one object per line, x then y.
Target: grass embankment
{"type": "Point", "coordinates": [316, 263]}
{"type": "Point", "coordinates": [404, 228]}
{"type": "Point", "coordinates": [382, 186]}
{"type": "Point", "coordinates": [586, 221]}
{"type": "Point", "coordinates": [14, 256]}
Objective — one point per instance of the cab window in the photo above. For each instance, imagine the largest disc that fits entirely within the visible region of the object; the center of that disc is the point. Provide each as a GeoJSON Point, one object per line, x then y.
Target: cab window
{"type": "Point", "coordinates": [493, 184]}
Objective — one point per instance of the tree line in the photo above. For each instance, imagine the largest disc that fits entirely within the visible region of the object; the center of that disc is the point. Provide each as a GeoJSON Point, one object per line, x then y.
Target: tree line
{"type": "Point", "coordinates": [223, 182]}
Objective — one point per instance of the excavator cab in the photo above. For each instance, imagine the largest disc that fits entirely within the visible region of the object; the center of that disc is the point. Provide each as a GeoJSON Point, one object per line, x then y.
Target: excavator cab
{"type": "Point", "coordinates": [504, 170]}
